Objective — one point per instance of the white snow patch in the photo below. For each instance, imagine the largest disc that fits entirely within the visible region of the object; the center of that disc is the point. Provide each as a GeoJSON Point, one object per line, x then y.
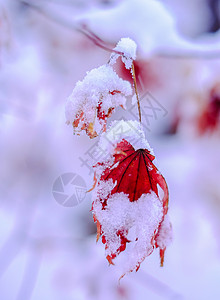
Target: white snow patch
{"type": "Point", "coordinates": [128, 47]}
{"type": "Point", "coordinates": [138, 221]}
{"type": "Point", "coordinates": [165, 233]}
{"type": "Point", "coordinates": [105, 188]}
{"type": "Point", "coordinates": [98, 86]}
{"type": "Point", "coordinates": [130, 131]}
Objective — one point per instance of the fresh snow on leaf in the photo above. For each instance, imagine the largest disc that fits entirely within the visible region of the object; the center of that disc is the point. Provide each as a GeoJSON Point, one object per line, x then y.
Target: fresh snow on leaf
{"type": "Point", "coordinates": [93, 100]}
{"type": "Point", "coordinates": [131, 131]}
{"type": "Point", "coordinates": [165, 234]}
{"type": "Point", "coordinates": [128, 47]}
{"type": "Point", "coordinates": [118, 219]}
{"type": "Point", "coordinates": [128, 206]}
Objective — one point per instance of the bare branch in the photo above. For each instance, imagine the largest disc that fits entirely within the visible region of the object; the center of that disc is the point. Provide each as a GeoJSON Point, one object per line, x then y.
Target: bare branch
{"type": "Point", "coordinates": [82, 28]}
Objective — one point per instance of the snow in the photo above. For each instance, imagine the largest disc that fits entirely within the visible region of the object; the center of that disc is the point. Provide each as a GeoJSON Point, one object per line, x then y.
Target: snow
{"type": "Point", "coordinates": [96, 88]}
{"type": "Point", "coordinates": [105, 188]}
{"type": "Point", "coordinates": [128, 47]}
{"type": "Point", "coordinates": [147, 22]}
{"type": "Point", "coordinates": [127, 18]}
{"type": "Point", "coordinates": [138, 221]}
{"type": "Point", "coordinates": [131, 131]}
{"type": "Point", "coordinates": [165, 233]}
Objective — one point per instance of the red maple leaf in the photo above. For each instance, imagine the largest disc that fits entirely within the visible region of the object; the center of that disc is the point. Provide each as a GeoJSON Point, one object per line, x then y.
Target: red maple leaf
{"type": "Point", "coordinates": [132, 175]}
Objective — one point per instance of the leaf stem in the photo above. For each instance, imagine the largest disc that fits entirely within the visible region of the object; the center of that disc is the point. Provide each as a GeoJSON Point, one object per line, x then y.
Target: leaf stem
{"type": "Point", "coordinates": [136, 92]}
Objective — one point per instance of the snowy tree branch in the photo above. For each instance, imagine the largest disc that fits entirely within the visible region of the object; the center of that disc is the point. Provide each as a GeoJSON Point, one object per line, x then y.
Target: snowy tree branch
{"type": "Point", "coordinates": [83, 29]}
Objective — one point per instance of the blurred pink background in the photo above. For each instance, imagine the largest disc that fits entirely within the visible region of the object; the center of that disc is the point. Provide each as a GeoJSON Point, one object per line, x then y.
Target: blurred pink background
{"type": "Point", "coordinates": [49, 251]}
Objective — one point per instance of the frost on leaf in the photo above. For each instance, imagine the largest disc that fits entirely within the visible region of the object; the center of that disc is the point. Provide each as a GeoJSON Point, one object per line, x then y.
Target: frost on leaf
{"type": "Point", "coordinates": [127, 205]}
{"type": "Point", "coordinates": [94, 99]}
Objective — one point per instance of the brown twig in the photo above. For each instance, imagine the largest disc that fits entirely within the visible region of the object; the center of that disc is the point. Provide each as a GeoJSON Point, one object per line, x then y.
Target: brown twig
{"type": "Point", "coordinates": [136, 92]}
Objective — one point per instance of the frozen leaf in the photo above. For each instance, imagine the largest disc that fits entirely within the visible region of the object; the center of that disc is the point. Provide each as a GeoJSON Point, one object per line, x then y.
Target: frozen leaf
{"type": "Point", "coordinates": [127, 204]}
{"type": "Point", "coordinates": [94, 99]}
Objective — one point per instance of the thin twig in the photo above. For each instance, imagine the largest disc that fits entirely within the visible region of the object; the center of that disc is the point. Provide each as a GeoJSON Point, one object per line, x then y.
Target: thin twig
{"type": "Point", "coordinates": [136, 92]}
{"type": "Point", "coordinates": [82, 28]}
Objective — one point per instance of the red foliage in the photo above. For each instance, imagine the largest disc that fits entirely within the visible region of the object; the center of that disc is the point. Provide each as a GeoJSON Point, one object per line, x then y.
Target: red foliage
{"type": "Point", "coordinates": [210, 118]}
{"type": "Point", "coordinates": [80, 123]}
{"type": "Point", "coordinates": [135, 174]}
{"type": "Point", "coordinates": [145, 72]}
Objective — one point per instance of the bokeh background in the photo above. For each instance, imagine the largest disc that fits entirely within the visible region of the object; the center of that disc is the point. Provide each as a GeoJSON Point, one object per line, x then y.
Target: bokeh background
{"type": "Point", "coordinates": [48, 250]}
